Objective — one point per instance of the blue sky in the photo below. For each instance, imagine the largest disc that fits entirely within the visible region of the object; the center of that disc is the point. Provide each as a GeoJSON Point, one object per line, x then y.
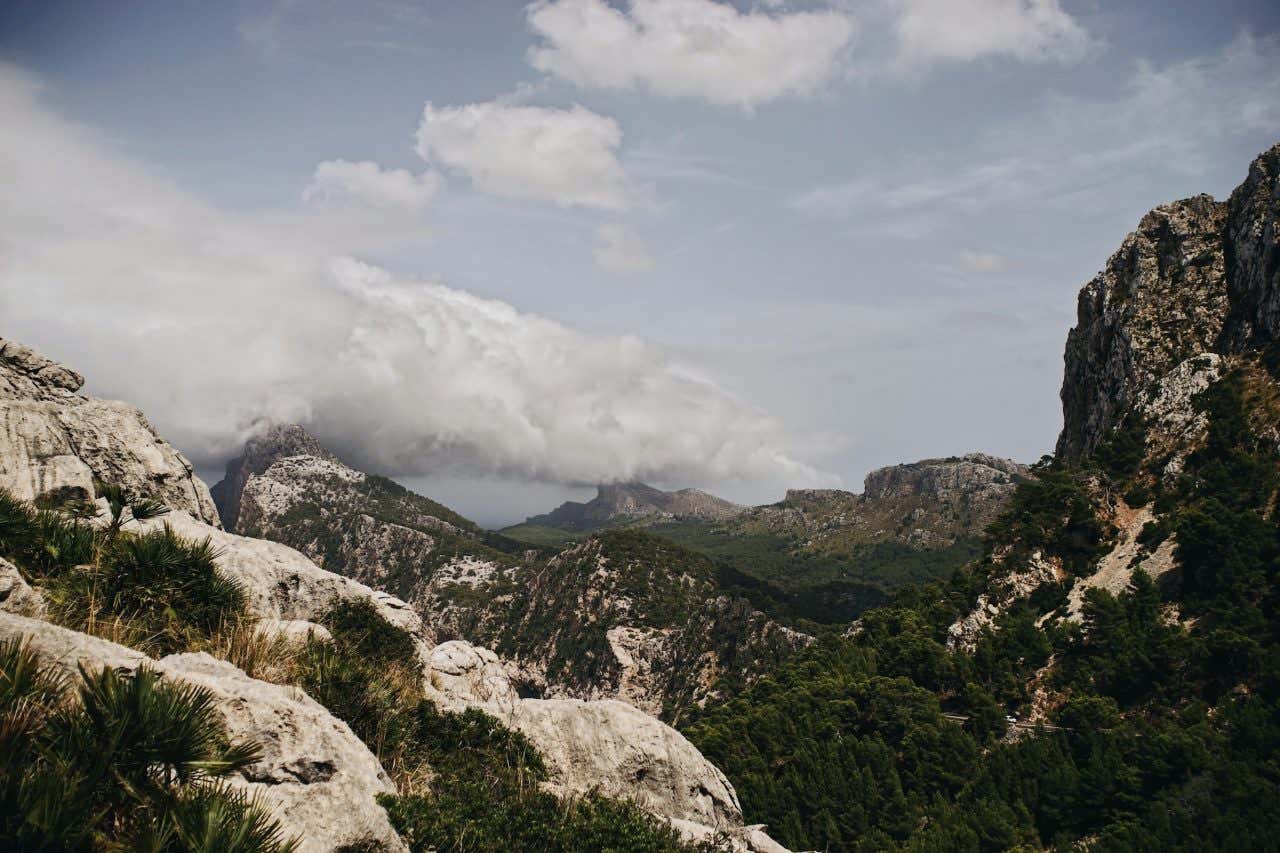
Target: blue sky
{"type": "Point", "coordinates": [502, 250]}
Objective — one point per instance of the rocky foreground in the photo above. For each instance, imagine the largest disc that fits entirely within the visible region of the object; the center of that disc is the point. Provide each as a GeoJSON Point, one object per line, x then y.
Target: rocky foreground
{"type": "Point", "coordinates": [318, 779]}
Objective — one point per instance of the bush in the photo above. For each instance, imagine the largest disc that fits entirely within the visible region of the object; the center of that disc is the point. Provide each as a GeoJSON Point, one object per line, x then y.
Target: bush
{"type": "Point", "coordinates": [132, 763]}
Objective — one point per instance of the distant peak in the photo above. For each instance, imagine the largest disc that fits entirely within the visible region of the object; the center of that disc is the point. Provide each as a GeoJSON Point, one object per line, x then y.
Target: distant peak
{"type": "Point", "coordinates": [277, 441]}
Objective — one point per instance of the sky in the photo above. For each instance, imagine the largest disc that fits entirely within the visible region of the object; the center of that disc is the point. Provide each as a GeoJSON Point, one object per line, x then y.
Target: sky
{"type": "Point", "coordinates": [503, 251]}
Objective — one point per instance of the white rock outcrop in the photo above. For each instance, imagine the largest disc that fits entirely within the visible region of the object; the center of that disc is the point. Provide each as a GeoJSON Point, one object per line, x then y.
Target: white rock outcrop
{"type": "Point", "coordinates": [318, 778]}
{"type": "Point", "coordinates": [604, 746]}
{"type": "Point", "coordinates": [282, 583]}
{"type": "Point", "coordinates": [54, 441]}
{"type": "Point", "coordinates": [16, 595]}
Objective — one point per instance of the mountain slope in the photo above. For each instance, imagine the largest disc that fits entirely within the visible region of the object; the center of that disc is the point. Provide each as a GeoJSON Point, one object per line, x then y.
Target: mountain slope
{"type": "Point", "coordinates": [1126, 607]}
{"type": "Point", "coordinates": [333, 703]}
{"type": "Point", "coordinates": [623, 505]}
{"type": "Point", "coordinates": [614, 616]}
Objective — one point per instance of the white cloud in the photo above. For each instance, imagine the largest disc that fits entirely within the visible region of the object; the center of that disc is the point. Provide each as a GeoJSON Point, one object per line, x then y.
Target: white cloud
{"type": "Point", "coordinates": [711, 51]}
{"type": "Point", "coordinates": [621, 250]}
{"type": "Point", "coordinates": [214, 322]}
{"type": "Point", "coordinates": [564, 156]}
{"type": "Point", "coordinates": [368, 182]}
{"type": "Point", "coordinates": [927, 32]}
{"type": "Point", "coordinates": [983, 262]}
{"type": "Point", "coordinates": [690, 48]}
{"type": "Point", "coordinates": [1074, 151]}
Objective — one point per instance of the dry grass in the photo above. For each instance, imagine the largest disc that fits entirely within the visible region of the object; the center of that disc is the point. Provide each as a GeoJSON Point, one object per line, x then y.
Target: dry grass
{"type": "Point", "coordinates": [263, 655]}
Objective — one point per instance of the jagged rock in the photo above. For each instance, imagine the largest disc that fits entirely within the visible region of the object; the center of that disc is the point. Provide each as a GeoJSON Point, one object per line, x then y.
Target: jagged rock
{"type": "Point", "coordinates": [54, 441]}
{"type": "Point", "coordinates": [287, 488]}
{"type": "Point", "coordinates": [603, 745]}
{"type": "Point", "coordinates": [260, 452]}
{"type": "Point", "coordinates": [283, 584]}
{"type": "Point", "coordinates": [318, 778]}
{"type": "Point", "coordinates": [629, 503]}
{"type": "Point", "coordinates": [295, 631]}
{"type": "Point", "coordinates": [466, 675]}
{"type": "Point", "coordinates": [1161, 300]}
{"type": "Point", "coordinates": [1198, 277]}
{"type": "Point", "coordinates": [1253, 240]}
{"type": "Point", "coordinates": [16, 595]}
{"type": "Point", "coordinates": [933, 503]}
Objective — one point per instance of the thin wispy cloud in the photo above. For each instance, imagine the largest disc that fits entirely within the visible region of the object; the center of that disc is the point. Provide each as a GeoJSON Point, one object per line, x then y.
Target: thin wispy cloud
{"type": "Point", "coordinates": [1074, 149]}
{"type": "Point", "coordinates": [621, 251]}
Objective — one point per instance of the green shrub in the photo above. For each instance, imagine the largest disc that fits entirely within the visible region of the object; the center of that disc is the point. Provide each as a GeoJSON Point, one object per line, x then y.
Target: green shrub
{"type": "Point", "coordinates": [133, 763]}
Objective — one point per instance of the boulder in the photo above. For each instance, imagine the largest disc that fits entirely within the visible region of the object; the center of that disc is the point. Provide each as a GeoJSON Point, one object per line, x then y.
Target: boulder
{"type": "Point", "coordinates": [55, 442]}
{"type": "Point", "coordinates": [282, 583]}
{"type": "Point", "coordinates": [319, 780]}
{"type": "Point", "coordinates": [16, 595]}
{"type": "Point", "coordinates": [604, 746]}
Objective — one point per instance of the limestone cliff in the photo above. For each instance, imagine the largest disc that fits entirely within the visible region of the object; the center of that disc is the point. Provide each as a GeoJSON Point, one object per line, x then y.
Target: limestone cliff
{"type": "Point", "coordinates": [1197, 278]}
{"type": "Point", "coordinates": [927, 504]}
{"type": "Point", "coordinates": [54, 441]}
{"type": "Point", "coordinates": [1187, 302]}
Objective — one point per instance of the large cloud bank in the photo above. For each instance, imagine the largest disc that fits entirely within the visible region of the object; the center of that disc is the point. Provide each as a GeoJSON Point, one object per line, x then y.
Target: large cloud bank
{"type": "Point", "coordinates": [215, 323]}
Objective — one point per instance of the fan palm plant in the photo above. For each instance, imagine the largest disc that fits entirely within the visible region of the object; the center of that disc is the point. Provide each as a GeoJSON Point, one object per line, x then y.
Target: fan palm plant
{"type": "Point", "coordinates": [133, 763]}
{"type": "Point", "coordinates": [141, 507]}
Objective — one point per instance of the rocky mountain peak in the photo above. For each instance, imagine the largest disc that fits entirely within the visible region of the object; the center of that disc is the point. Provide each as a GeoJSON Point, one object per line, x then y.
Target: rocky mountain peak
{"type": "Point", "coordinates": [1198, 276]}
{"type": "Point", "coordinates": [26, 374]}
{"type": "Point", "coordinates": [634, 501]}
{"type": "Point", "coordinates": [278, 441]}
{"type": "Point", "coordinates": [942, 479]}
{"type": "Point", "coordinates": [1253, 254]}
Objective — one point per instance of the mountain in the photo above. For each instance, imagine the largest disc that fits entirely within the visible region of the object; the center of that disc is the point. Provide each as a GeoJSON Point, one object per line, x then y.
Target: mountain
{"type": "Point", "coordinates": [613, 616]}
{"type": "Point", "coordinates": [230, 688]}
{"type": "Point", "coordinates": [825, 555]}
{"type": "Point", "coordinates": [623, 505]}
{"type": "Point", "coordinates": [1124, 611]}
{"type": "Point", "coordinates": [287, 488]}
{"type": "Point", "coordinates": [930, 504]}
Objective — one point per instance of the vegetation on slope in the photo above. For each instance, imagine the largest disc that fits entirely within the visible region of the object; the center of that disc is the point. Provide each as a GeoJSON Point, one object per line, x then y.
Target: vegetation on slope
{"type": "Point", "coordinates": [135, 763]}
{"type": "Point", "coordinates": [1169, 730]}
{"type": "Point", "coordinates": [466, 782]}
{"type": "Point", "coordinates": [130, 763]}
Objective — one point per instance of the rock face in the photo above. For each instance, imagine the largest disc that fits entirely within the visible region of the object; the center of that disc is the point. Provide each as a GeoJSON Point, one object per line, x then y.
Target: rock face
{"type": "Point", "coordinates": [277, 442]}
{"type": "Point", "coordinates": [618, 504]}
{"type": "Point", "coordinates": [288, 488]}
{"type": "Point", "coordinates": [282, 584]}
{"type": "Point", "coordinates": [933, 503]}
{"type": "Point", "coordinates": [1198, 277]}
{"type": "Point", "coordinates": [607, 746]}
{"type": "Point", "coordinates": [16, 595]}
{"type": "Point", "coordinates": [629, 616]}
{"type": "Point", "coordinates": [54, 442]}
{"type": "Point", "coordinates": [1253, 255]}
{"type": "Point", "coordinates": [318, 778]}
